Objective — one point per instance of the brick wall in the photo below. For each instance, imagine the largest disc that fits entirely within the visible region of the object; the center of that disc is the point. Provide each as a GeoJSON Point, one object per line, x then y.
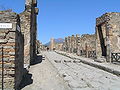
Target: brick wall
{"type": "Point", "coordinates": [11, 40]}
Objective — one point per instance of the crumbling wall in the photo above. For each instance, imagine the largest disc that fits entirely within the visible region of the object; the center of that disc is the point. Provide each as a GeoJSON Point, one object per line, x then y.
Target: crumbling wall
{"type": "Point", "coordinates": [89, 41]}
{"type": "Point", "coordinates": [108, 35]}
{"type": "Point", "coordinates": [81, 45]}
{"type": "Point", "coordinates": [11, 40]}
{"type": "Point", "coordinates": [87, 45]}
{"type": "Point", "coordinates": [40, 47]}
{"type": "Point", "coordinates": [29, 29]}
{"type": "Point", "coordinates": [25, 28]}
{"type": "Point", "coordinates": [59, 46]}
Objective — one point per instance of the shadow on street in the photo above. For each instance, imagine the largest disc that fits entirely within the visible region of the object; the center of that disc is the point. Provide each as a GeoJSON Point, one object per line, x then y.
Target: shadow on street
{"type": "Point", "coordinates": [27, 78]}
{"type": "Point", "coordinates": [38, 60]}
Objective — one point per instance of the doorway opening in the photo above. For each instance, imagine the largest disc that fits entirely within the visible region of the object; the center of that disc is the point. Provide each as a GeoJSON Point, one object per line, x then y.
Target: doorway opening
{"type": "Point", "coordinates": [102, 42]}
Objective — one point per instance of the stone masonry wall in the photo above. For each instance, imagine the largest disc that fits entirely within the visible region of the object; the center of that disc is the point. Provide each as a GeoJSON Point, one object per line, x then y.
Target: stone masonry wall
{"type": "Point", "coordinates": [110, 28]}
{"type": "Point", "coordinates": [29, 29]}
{"type": "Point", "coordinates": [87, 44]}
{"type": "Point", "coordinates": [25, 28]}
{"type": "Point", "coordinates": [81, 45]}
{"type": "Point", "coordinates": [11, 40]}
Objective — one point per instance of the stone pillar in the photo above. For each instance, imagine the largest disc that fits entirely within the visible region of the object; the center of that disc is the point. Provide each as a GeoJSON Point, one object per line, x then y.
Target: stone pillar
{"type": "Point", "coordinates": [51, 44]}
{"type": "Point", "coordinates": [69, 44]}
{"type": "Point", "coordinates": [72, 43]}
{"type": "Point", "coordinates": [98, 46]}
{"type": "Point", "coordinates": [29, 29]}
{"type": "Point", "coordinates": [78, 44]}
{"type": "Point", "coordinates": [86, 49]}
{"type": "Point", "coordinates": [65, 44]}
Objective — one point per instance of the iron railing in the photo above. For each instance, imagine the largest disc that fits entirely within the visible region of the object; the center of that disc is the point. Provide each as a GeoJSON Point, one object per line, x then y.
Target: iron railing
{"type": "Point", "coordinates": [115, 57]}
{"type": "Point", "coordinates": [91, 54]}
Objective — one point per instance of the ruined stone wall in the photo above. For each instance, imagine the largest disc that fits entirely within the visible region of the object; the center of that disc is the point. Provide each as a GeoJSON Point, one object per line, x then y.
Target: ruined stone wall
{"type": "Point", "coordinates": [88, 41]}
{"type": "Point", "coordinates": [81, 45]}
{"type": "Point", "coordinates": [66, 44]}
{"type": "Point", "coordinates": [34, 13]}
{"type": "Point", "coordinates": [114, 32]}
{"type": "Point", "coordinates": [87, 44]}
{"type": "Point", "coordinates": [108, 35]}
{"type": "Point", "coordinates": [69, 44]}
{"type": "Point", "coordinates": [29, 29]}
{"type": "Point", "coordinates": [101, 23]}
{"type": "Point", "coordinates": [25, 28]}
{"type": "Point", "coordinates": [12, 42]}
{"type": "Point", "coordinates": [59, 46]}
{"type": "Point", "coordinates": [40, 47]}
{"type": "Point", "coordinates": [73, 44]}
{"type": "Point", "coordinates": [78, 44]}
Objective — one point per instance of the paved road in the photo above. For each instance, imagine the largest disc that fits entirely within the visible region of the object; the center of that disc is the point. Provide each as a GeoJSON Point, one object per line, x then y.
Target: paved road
{"type": "Point", "coordinates": [58, 72]}
{"type": "Point", "coordinates": [80, 76]}
{"type": "Point", "coordinates": [44, 77]}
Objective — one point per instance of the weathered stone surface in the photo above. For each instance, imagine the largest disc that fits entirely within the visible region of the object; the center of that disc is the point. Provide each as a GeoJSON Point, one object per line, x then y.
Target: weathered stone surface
{"type": "Point", "coordinates": [3, 41]}
{"type": "Point", "coordinates": [12, 44]}
{"type": "Point", "coordinates": [40, 47]}
{"type": "Point", "coordinates": [108, 35]}
{"type": "Point", "coordinates": [28, 24]}
{"type": "Point", "coordinates": [52, 44]}
{"type": "Point", "coordinates": [81, 45]}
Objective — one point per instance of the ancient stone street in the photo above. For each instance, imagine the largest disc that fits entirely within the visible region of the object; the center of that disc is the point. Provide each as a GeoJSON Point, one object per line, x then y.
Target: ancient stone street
{"type": "Point", "coordinates": [57, 72]}
{"type": "Point", "coordinates": [69, 45]}
{"type": "Point", "coordinates": [45, 77]}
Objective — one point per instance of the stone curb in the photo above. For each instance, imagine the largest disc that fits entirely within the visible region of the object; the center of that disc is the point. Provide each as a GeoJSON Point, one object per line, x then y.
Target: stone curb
{"type": "Point", "coordinates": [94, 64]}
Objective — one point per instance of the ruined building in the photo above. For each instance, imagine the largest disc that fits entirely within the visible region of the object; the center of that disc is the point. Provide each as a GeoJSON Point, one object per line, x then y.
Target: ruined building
{"type": "Point", "coordinates": [11, 50]}
{"type": "Point", "coordinates": [29, 29]}
{"type": "Point", "coordinates": [40, 47]}
{"type": "Point", "coordinates": [17, 44]}
{"type": "Point", "coordinates": [70, 44]}
{"type": "Point", "coordinates": [104, 44]}
{"type": "Point", "coordinates": [81, 45]}
{"type": "Point", "coordinates": [108, 36]}
{"type": "Point", "coordinates": [77, 44]}
{"type": "Point", "coordinates": [87, 45]}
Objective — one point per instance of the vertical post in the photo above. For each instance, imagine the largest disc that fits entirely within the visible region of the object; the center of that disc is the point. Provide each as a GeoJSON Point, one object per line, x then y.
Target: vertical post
{"type": "Point", "coordinates": [86, 49]}
{"type": "Point", "coordinates": [108, 47]}
{"type": "Point", "coordinates": [2, 71]}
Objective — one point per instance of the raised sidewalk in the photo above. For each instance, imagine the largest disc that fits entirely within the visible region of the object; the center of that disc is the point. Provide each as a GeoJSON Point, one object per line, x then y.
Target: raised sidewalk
{"type": "Point", "coordinates": [109, 67]}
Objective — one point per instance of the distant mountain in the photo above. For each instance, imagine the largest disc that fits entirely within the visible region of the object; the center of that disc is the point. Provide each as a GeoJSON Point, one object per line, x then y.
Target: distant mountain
{"type": "Point", "coordinates": [47, 44]}
{"type": "Point", "coordinates": [59, 40]}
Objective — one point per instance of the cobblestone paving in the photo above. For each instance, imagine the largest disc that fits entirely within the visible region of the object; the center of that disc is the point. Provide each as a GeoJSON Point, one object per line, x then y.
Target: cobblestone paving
{"type": "Point", "coordinates": [80, 76]}
{"type": "Point", "coordinates": [45, 77]}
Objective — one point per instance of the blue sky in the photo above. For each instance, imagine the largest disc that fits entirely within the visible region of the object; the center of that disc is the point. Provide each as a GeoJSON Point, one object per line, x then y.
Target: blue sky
{"type": "Point", "coordinates": [60, 18]}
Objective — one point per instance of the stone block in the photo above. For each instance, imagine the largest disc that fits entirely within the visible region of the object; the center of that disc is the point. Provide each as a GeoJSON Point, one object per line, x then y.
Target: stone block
{"type": "Point", "coordinates": [11, 40]}
{"type": "Point", "coordinates": [3, 41]}
{"type": "Point", "coordinates": [11, 53]}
